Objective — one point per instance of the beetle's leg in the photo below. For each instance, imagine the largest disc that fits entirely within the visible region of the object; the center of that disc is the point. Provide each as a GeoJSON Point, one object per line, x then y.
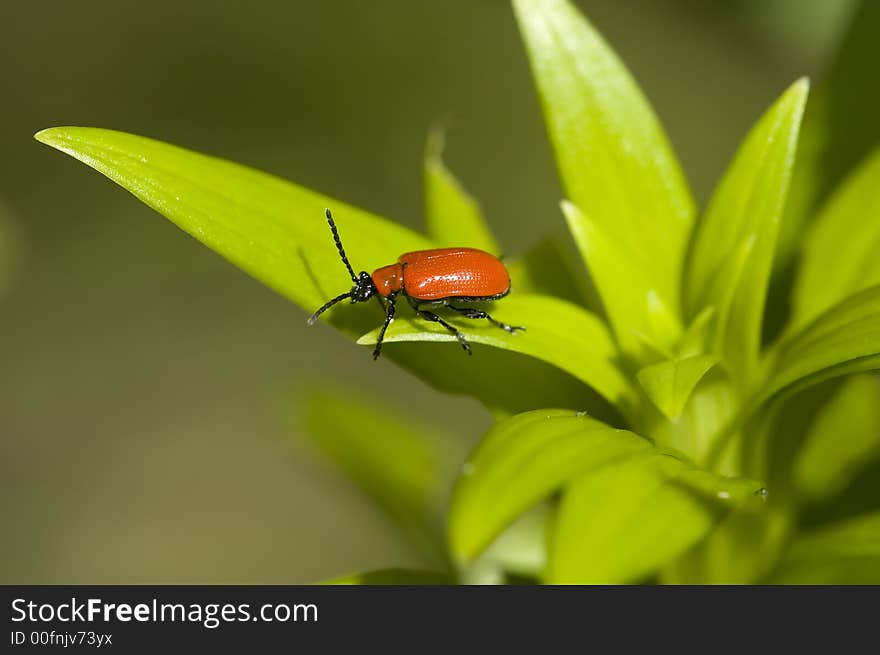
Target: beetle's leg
{"type": "Point", "coordinates": [469, 312]}
{"type": "Point", "coordinates": [389, 316]}
{"type": "Point", "coordinates": [431, 316]}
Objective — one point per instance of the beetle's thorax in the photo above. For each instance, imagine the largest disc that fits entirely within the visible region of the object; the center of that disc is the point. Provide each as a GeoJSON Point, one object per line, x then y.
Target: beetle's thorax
{"type": "Point", "coordinates": [388, 279]}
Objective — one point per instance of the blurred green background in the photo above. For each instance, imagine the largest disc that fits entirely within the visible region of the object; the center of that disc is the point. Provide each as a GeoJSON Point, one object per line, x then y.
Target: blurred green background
{"type": "Point", "coordinates": [151, 395]}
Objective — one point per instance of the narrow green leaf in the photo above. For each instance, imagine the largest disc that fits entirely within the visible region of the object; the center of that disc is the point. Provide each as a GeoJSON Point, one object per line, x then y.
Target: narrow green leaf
{"type": "Point", "coordinates": [272, 229]}
{"type": "Point", "coordinates": [615, 162]}
{"type": "Point", "coordinates": [669, 384]}
{"type": "Point", "coordinates": [495, 377]}
{"type": "Point", "coordinates": [520, 549]}
{"type": "Point", "coordinates": [777, 432]}
{"type": "Point", "coordinates": [403, 464]}
{"type": "Point", "coordinates": [695, 340]}
{"type": "Point", "coordinates": [840, 125]}
{"type": "Point", "coordinates": [623, 521]}
{"type": "Point", "coordinates": [276, 231]}
{"type": "Point", "coordinates": [843, 439]}
{"type": "Point", "coordinates": [707, 406]}
{"type": "Point", "coordinates": [393, 577]}
{"type": "Point", "coordinates": [842, 250]}
{"type": "Point", "coordinates": [743, 214]}
{"type": "Point", "coordinates": [453, 216]}
{"type": "Point", "coordinates": [844, 553]}
{"type": "Point", "coordinates": [558, 332]}
{"type": "Point", "coordinates": [521, 462]}
{"type": "Point", "coordinates": [643, 323]}
{"type": "Point", "coordinates": [742, 549]}
{"type": "Point", "coordinates": [724, 289]}
{"type": "Point", "coordinates": [844, 339]}
{"type": "Point", "coordinates": [708, 412]}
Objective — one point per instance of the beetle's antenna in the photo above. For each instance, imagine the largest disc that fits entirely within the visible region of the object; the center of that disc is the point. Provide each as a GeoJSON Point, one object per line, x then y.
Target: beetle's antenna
{"type": "Point", "coordinates": [339, 245]}
{"type": "Point", "coordinates": [327, 305]}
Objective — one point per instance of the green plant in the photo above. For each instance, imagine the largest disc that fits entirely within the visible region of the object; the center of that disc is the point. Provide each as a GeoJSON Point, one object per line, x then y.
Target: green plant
{"type": "Point", "coordinates": [730, 443]}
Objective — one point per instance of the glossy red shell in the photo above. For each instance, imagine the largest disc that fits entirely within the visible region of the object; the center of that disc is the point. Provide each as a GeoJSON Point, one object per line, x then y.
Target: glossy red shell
{"type": "Point", "coordinates": [388, 279]}
{"type": "Point", "coordinates": [444, 273]}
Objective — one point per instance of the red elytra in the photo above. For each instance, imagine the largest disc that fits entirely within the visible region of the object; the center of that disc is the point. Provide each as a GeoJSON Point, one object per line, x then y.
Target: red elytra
{"type": "Point", "coordinates": [432, 277]}
{"type": "Point", "coordinates": [444, 273]}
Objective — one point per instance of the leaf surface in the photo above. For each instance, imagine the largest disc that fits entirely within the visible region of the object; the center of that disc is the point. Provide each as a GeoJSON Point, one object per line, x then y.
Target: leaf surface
{"type": "Point", "coordinates": [276, 231]}
{"type": "Point", "coordinates": [844, 339]}
{"type": "Point", "coordinates": [731, 259]}
{"type": "Point", "coordinates": [557, 332]}
{"type": "Point", "coordinates": [522, 461]}
{"type": "Point", "coordinates": [669, 384]}
{"type": "Point", "coordinates": [623, 521]}
{"type": "Point", "coordinates": [842, 250]}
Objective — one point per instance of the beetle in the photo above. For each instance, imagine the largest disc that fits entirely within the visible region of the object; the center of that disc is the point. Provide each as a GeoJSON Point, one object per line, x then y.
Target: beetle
{"type": "Point", "coordinates": [428, 277]}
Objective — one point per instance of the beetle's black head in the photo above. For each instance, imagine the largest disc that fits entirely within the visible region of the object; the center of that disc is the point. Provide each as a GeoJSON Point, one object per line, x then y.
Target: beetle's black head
{"type": "Point", "coordinates": [363, 288]}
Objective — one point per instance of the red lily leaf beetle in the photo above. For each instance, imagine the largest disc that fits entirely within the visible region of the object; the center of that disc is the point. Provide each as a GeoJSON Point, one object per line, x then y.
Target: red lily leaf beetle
{"type": "Point", "coordinates": [428, 277]}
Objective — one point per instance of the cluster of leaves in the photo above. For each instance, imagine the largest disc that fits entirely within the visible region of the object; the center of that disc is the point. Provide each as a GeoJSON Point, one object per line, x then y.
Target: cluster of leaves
{"type": "Point", "coordinates": [653, 432]}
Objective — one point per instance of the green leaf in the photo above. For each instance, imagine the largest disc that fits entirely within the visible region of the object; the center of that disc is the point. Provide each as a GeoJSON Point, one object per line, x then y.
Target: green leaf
{"type": "Point", "coordinates": [276, 232]}
{"type": "Point", "coordinates": [840, 125]}
{"type": "Point", "coordinates": [529, 457]}
{"type": "Point", "coordinates": [521, 462]}
{"type": "Point", "coordinates": [558, 332]}
{"type": "Point", "coordinates": [707, 406]}
{"type": "Point", "coordinates": [669, 384]}
{"type": "Point", "coordinates": [623, 521]}
{"type": "Point", "coordinates": [742, 549]}
{"type": "Point", "coordinates": [695, 340]}
{"type": "Point", "coordinates": [723, 290]}
{"type": "Point", "coordinates": [708, 412]}
{"type": "Point", "coordinates": [405, 465]}
{"type": "Point", "coordinates": [778, 431]}
{"type": "Point", "coordinates": [841, 250]}
{"type": "Point", "coordinates": [642, 322]}
{"type": "Point", "coordinates": [843, 439]}
{"type": "Point", "coordinates": [847, 552]}
{"type": "Point", "coordinates": [453, 217]}
{"type": "Point", "coordinates": [519, 550]}
{"type": "Point", "coordinates": [393, 577]}
{"type": "Point", "coordinates": [845, 339]}
{"type": "Point", "coordinates": [743, 216]}
{"type": "Point", "coordinates": [495, 376]}
{"type": "Point", "coordinates": [614, 160]}
{"type": "Point", "coordinates": [270, 228]}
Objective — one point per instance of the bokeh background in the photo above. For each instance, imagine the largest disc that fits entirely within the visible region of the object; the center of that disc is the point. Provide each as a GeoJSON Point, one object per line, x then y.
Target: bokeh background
{"type": "Point", "coordinates": [152, 425]}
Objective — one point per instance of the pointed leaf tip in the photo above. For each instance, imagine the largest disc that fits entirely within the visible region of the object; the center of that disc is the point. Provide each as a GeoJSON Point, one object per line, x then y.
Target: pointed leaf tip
{"type": "Point", "coordinates": [669, 384]}
{"type": "Point", "coordinates": [733, 249]}
{"type": "Point", "coordinates": [272, 229]}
